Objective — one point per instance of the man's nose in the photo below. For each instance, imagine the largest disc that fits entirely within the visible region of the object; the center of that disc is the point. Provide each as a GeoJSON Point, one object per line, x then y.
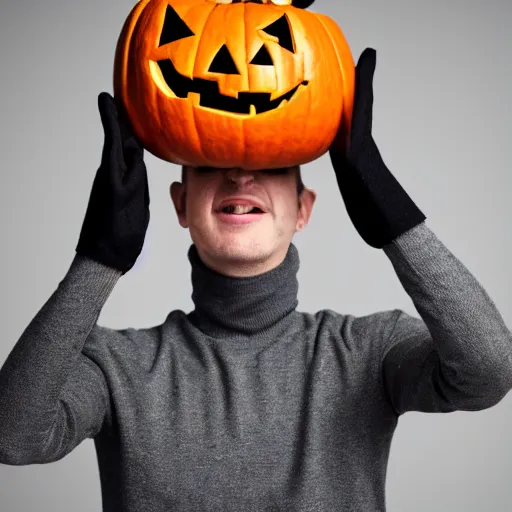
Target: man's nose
{"type": "Point", "coordinates": [239, 176]}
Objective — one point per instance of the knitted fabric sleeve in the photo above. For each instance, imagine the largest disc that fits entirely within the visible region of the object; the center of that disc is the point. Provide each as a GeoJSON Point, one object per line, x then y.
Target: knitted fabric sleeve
{"type": "Point", "coordinates": [458, 355]}
{"type": "Point", "coordinates": [52, 396]}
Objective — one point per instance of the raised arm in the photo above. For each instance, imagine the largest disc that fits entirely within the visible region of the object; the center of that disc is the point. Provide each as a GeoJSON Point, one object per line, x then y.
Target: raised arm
{"type": "Point", "coordinates": [52, 396]}
{"type": "Point", "coordinates": [458, 355]}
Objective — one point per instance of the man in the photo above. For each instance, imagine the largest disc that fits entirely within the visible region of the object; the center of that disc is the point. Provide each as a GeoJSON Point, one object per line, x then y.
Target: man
{"type": "Point", "coordinates": [246, 404]}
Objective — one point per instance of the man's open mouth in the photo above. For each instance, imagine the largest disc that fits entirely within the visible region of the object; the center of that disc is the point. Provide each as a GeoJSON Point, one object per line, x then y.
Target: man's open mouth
{"type": "Point", "coordinates": [211, 97]}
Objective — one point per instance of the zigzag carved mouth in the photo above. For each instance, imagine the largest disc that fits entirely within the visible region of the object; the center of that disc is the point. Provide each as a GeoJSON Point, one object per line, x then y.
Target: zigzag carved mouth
{"type": "Point", "coordinates": [211, 97]}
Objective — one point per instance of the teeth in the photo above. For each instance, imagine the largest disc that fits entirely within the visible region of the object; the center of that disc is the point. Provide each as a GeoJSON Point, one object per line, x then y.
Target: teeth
{"type": "Point", "coordinates": [238, 209]}
{"type": "Point", "coordinates": [195, 97]}
{"type": "Point", "coordinates": [282, 104]}
{"type": "Point", "coordinates": [252, 110]}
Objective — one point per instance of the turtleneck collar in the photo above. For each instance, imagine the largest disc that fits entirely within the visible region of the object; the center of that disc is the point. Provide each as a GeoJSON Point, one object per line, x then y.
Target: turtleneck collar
{"type": "Point", "coordinates": [244, 309]}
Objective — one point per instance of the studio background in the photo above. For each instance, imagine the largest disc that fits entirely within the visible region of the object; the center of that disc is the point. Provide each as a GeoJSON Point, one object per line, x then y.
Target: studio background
{"type": "Point", "coordinates": [442, 123]}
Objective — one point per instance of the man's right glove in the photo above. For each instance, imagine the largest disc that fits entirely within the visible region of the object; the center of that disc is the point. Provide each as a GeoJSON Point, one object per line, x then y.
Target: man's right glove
{"type": "Point", "coordinates": [117, 215]}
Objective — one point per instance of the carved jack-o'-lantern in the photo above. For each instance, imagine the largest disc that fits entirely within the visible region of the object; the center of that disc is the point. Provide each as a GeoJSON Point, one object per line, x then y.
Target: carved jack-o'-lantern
{"type": "Point", "coordinates": [225, 83]}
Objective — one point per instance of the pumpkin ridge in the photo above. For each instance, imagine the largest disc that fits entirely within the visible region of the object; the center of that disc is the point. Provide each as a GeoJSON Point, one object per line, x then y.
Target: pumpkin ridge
{"type": "Point", "coordinates": [243, 143]}
{"type": "Point", "coordinates": [334, 45]}
{"type": "Point", "coordinates": [198, 139]}
{"type": "Point", "coordinates": [325, 32]}
{"type": "Point", "coordinates": [347, 73]}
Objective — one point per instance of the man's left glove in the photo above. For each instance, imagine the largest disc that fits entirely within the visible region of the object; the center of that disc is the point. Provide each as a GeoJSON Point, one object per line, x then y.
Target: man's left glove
{"type": "Point", "coordinates": [380, 209]}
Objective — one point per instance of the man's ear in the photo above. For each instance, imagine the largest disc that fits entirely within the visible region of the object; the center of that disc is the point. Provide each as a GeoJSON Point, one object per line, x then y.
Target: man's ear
{"type": "Point", "coordinates": [179, 199]}
{"type": "Point", "coordinates": [306, 201]}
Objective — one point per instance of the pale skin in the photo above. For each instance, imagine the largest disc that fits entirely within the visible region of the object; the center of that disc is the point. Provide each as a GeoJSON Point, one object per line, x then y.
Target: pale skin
{"type": "Point", "coordinates": [242, 250]}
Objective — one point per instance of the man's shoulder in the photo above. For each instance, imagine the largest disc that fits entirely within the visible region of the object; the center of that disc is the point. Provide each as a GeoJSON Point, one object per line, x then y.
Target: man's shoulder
{"type": "Point", "coordinates": [350, 327]}
{"type": "Point", "coordinates": [328, 316]}
{"type": "Point", "coordinates": [136, 342]}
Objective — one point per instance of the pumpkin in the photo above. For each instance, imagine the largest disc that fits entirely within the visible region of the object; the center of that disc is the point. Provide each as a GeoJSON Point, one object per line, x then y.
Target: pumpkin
{"type": "Point", "coordinates": [250, 84]}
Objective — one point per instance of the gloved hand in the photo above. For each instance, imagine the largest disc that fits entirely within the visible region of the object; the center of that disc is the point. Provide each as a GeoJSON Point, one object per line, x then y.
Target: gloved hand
{"type": "Point", "coordinates": [378, 206]}
{"type": "Point", "coordinates": [117, 215]}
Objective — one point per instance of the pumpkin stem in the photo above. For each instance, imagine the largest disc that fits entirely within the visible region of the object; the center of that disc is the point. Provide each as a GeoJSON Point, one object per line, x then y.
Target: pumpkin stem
{"type": "Point", "coordinates": [302, 4]}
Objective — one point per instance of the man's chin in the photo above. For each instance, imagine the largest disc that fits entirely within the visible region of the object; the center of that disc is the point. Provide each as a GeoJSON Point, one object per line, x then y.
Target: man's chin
{"type": "Point", "coordinates": [240, 255]}
{"type": "Point", "coordinates": [239, 249]}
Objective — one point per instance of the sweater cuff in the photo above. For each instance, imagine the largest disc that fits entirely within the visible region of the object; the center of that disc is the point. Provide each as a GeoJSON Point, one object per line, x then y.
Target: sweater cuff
{"type": "Point", "coordinates": [90, 276]}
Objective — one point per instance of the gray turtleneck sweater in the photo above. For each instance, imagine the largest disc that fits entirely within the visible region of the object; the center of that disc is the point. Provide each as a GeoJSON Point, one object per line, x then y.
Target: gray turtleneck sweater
{"type": "Point", "coordinates": [245, 403]}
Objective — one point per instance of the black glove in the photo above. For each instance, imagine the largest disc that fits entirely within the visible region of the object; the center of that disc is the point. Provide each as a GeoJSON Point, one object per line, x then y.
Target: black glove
{"type": "Point", "coordinates": [117, 215]}
{"type": "Point", "coordinates": [378, 206]}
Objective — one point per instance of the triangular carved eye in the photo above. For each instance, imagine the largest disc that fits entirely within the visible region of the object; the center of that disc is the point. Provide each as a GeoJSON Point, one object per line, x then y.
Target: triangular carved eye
{"type": "Point", "coordinates": [262, 58]}
{"type": "Point", "coordinates": [223, 63]}
{"type": "Point", "coordinates": [281, 29]}
{"type": "Point", "coordinates": [174, 27]}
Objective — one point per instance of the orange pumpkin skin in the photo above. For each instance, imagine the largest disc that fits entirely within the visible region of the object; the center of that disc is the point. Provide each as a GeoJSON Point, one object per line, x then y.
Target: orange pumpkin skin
{"type": "Point", "coordinates": [179, 130]}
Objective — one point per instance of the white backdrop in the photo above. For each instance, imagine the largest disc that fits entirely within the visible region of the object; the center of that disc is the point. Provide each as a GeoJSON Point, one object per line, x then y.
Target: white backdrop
{"type": "Point", "coordinates": [442, 122]}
